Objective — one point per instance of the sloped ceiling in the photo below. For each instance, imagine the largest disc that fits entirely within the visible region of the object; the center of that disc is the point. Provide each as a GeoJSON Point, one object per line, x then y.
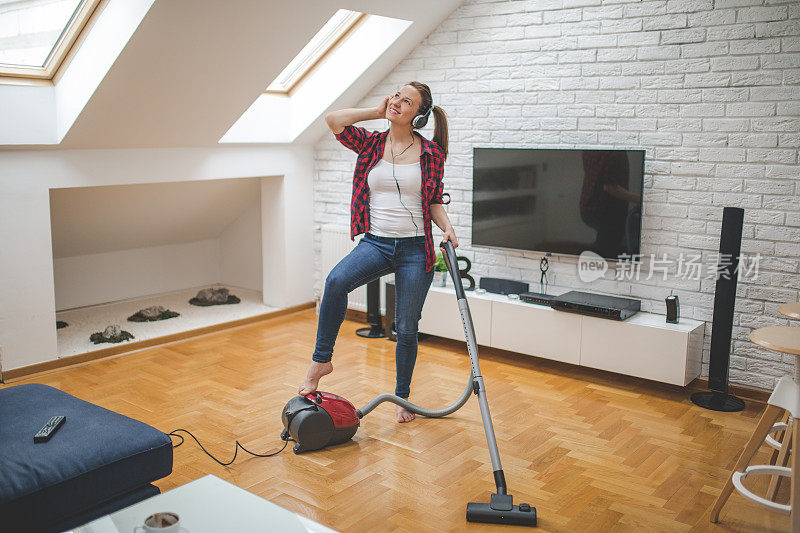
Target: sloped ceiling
{"type": "Point", "coordinates": [90, 220]}
{"type": "Point", "coordinates": [193, 67]}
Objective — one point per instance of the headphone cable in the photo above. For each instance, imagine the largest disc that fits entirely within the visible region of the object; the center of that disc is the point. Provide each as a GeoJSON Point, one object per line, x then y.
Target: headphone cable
{"type": "Point", "coordinates": [397, 184]}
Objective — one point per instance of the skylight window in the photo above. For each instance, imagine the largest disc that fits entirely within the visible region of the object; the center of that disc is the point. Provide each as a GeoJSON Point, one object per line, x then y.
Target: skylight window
{"type": "Point", "coordinates": [336, 29]}
{"type": "Point", "coordinates": [35, 35]}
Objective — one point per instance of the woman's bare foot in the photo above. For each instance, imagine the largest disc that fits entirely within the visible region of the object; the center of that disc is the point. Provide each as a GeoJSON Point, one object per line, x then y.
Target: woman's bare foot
{"type": "Point", "coordinates": [404, 415]}
{"type": "Point", "coordinates": [315, 372]}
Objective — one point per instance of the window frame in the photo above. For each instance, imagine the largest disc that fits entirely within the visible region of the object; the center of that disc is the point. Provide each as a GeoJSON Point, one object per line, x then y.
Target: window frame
{"type": "Point", "coordinates": [60, 50]}
{"type": "Point", "coordinates": [353, 20]}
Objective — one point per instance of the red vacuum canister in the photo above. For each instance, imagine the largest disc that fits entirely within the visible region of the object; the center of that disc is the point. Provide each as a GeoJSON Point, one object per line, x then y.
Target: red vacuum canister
{"type": "Point", "coordinates": [317, 420]}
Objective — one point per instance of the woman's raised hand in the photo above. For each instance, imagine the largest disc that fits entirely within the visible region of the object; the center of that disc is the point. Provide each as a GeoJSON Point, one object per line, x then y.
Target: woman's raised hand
{"type": "Point", "coordinates": [380, 110]}
{"type": "Point", "coordinates": [340, 119]}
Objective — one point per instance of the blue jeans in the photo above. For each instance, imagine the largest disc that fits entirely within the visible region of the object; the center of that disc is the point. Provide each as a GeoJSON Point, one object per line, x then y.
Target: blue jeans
{"type": "Point", "coordinates": [372, 258]}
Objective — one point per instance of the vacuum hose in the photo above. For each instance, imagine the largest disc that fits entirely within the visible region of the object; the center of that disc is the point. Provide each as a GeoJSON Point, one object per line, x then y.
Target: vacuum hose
{"type": "Point", "coordinates": [452, 266]}
{"type": "Point", "coordinates": [431, 413]}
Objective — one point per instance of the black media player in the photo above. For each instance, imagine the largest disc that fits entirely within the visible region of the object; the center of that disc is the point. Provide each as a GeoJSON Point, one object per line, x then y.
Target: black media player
{"type": "Point", "coordinates": [598, 305]}
{"type": "Point", "coordinates": [536, 298]}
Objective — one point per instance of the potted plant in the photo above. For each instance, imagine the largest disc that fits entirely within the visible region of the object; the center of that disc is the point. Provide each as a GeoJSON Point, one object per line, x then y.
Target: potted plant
{"type": "Point", "coordinates": [440, 271]}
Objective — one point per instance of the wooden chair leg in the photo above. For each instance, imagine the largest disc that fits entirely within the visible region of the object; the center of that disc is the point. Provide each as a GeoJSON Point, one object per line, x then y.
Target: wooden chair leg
{"type": "Point", "coordinates": [768, 419]}
{"type": "Point", "coordinates": [782, 460]}
{"type": "Point", "coordinates": [795, 496]}
{"type": "Point", "coordinates": [779, 436]}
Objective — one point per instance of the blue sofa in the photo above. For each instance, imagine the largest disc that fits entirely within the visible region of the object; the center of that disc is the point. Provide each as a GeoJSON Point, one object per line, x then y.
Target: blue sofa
{"type": "Point", "coordinates": [98, 462]}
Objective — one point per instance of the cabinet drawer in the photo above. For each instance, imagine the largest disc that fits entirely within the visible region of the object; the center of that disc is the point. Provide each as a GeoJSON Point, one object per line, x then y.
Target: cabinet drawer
{"type": "Point", "coordinates": [440, 316]}
{"type": "Point", "coordinates": [536, 330]}
{"type": "Point", "coordinates": [642, 351]}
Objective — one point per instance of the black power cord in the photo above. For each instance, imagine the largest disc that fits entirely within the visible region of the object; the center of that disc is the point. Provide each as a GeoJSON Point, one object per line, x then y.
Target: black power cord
{"type": "Point", "coordinates": [174, 433]}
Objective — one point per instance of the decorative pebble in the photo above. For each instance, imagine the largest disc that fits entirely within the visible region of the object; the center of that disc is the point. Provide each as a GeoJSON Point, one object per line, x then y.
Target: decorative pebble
{"type": "Point", "coordinates": [219, 296]}
{"type": "Point", "coordinates": [113, 333]}
{"type": "Point", "coordinates": [152, 313]}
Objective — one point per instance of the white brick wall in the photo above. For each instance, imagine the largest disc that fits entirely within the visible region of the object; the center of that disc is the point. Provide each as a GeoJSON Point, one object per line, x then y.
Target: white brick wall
{"type": "Point", "coordinates": [710, 90]}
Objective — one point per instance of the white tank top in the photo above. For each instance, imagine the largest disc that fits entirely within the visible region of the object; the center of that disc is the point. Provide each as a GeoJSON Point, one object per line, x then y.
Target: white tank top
{"type": "Point", "coordinates": [392, 214]}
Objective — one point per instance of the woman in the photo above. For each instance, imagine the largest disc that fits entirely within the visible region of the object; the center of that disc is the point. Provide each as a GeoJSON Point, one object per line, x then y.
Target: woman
{"type": "Point", "coordinates": [397, 191]}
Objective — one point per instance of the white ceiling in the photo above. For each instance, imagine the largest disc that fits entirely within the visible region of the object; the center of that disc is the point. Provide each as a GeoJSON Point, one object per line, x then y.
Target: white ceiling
{"type": "Point", "coordinates": [193, 67]}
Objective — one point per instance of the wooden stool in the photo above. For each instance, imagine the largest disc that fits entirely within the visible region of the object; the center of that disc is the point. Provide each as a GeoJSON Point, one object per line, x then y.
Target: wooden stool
{"type": "Point", "coordinates": [792, 310]}
{"type": "Point", "coordinates": [783, 439]}
{"type": "Point", "coordinates": [781, 449]}
{"type": "Point", "coordinates": [785, 398]}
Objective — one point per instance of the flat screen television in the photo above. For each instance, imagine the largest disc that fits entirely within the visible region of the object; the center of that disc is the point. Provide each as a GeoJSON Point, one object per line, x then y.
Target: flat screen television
{"type": "Point", "coordinates": [562, 201]}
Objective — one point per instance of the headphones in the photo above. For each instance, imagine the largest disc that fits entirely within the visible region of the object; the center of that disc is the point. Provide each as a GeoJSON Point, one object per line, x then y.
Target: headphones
{"type": "Point", "coordinates": [420, 120]}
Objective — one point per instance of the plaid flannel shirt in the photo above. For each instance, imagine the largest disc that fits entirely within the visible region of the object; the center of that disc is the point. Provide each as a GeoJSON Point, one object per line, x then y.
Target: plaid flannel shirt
{"type": "Point", "coordinates": [369, 146]}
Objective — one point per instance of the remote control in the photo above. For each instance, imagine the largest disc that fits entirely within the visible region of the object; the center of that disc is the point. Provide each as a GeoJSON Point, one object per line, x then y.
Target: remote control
{"type": "Point", "coordinates": [51, 427]}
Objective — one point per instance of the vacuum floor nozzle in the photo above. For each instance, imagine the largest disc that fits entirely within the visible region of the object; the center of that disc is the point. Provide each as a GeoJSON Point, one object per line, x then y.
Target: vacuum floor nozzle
{"type": "Point", "coordinates": [519, 515]}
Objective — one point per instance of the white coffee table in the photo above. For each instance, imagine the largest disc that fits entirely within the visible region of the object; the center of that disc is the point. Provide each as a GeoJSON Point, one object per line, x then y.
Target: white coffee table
{"type": "Point", "coordinates": [208, 505]}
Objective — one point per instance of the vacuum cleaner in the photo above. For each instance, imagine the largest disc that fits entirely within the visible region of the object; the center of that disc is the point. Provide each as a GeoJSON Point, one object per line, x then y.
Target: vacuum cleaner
{"type": "Point", "coordinates": [322, 419]}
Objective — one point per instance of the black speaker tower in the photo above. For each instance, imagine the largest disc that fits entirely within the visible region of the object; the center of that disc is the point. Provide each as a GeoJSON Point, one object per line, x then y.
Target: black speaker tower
{"type": "Point", "coordinates": [730, 245]}
{"type": "Point", "coordinates": [375, 330]}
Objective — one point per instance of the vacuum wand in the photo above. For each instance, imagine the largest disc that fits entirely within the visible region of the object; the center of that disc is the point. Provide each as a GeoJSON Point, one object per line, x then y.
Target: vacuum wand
{"type": "Point", "coordinates": [501, 508]}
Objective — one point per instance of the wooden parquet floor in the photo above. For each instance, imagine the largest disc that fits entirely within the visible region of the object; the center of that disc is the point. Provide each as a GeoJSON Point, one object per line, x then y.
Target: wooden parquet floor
{"type": "Point", "coordinates": [590, 450]}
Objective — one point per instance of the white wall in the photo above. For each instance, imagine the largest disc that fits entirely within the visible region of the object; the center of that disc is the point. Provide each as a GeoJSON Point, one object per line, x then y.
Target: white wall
{"type": "Point", "coordinates": [710, 90]}
{"type": "Point", "coordinates": [27, 295]}
{"type": "Point", "coordinates": [239, 248]}
{"type": "Point", "coordinates": [113, 276]}
{"type": "Point", "coordinates": [273, 222]}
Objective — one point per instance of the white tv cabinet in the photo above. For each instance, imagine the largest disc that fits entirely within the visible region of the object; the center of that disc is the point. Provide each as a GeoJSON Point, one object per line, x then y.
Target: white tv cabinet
{"type": "Point", "coordinates": [643, 345]}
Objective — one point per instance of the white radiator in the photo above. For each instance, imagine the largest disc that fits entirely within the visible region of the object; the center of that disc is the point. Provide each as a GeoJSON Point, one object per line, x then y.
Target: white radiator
{"type": "Point", "coordinates": [336, 244]}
